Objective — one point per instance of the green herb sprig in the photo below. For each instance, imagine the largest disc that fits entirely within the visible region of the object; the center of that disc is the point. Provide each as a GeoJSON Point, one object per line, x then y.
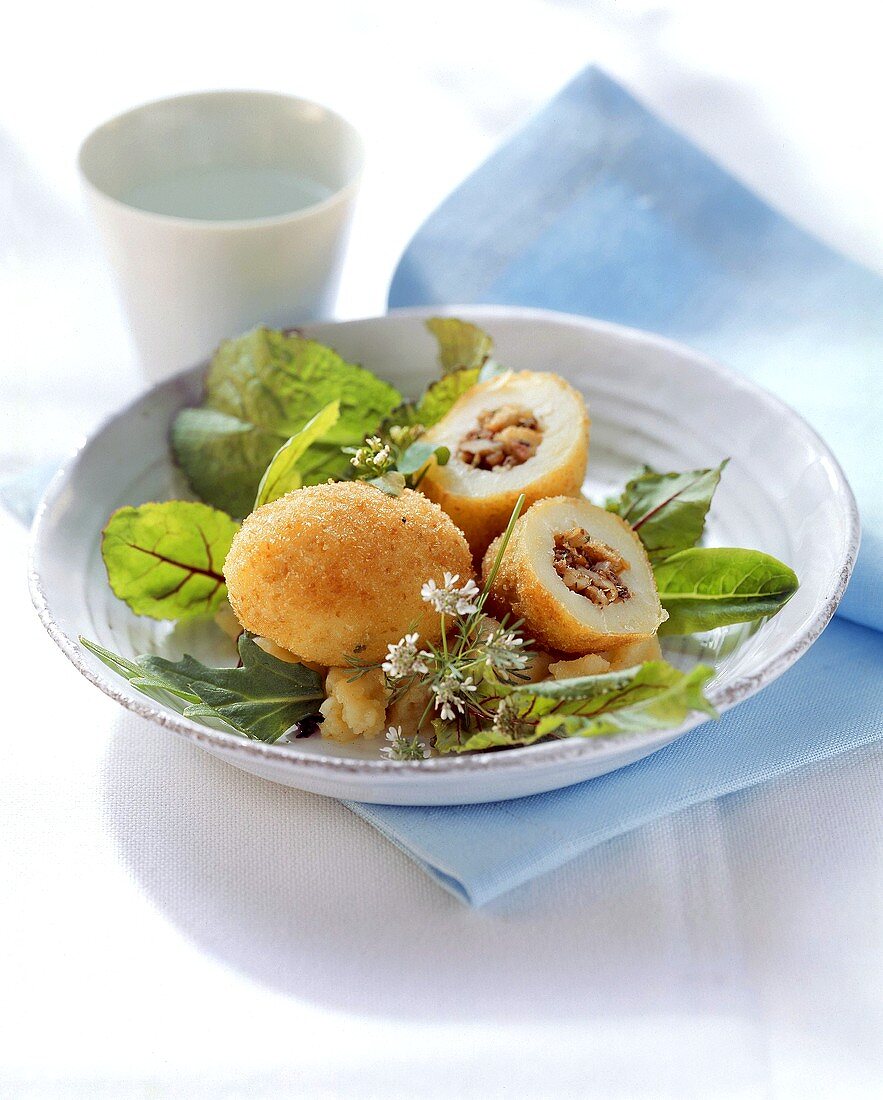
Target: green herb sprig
{"type": "Point", "coordinates": [474, 679]}
{"type": "Point", "coordinates": [400, 462]}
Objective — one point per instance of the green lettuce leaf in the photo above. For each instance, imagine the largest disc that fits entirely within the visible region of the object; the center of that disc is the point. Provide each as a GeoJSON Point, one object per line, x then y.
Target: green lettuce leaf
{"type": "Point", "coordinates": [654, 695]}
{"type": "Point", "coordinates": [261, 390]}
{"type": "Point", "coordinates": [275, 379]}
{"type": "Point", "coordinates": [262, 699]}
{"type": "Point", "coordinates": [663, 709]}
{"type": "Point", "coordinates": [464, 352]}
{"type": "Point", "coordinates": [221, 456]}
{"type": "Point", "coordinates": [706, 587]}
{"type": "Point", "coordinates": [392, 483]}
{"type": "Point", "coordinates": [283, 473]}
{"type": "Point", "coordinates": [667, 510]}
{"type": "Point", "coordinates": [437, 399]}
{"type": "Point", "coordinates": [166, 560]}
{"type": "Point", "coordinates": [441, 395]}
{"type": "Point", "coordinates": [146, 682]}
{"type": "Point", "coordinates": [461, 345]}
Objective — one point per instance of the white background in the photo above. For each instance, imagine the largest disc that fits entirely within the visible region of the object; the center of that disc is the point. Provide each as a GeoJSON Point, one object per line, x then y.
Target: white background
{"type": "Point", "coordinates": [170, 927]}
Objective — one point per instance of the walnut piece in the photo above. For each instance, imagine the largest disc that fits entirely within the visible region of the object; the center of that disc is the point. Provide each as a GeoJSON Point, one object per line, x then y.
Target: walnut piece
{"type": "Point", "coordinates": [590, 567]}
{"type": "Point", "coordinates": [504, 437]}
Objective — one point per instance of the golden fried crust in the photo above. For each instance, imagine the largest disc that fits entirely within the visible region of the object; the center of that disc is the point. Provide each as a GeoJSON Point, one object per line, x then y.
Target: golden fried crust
{"type": "Point", "coordinates": [481, 519]}
{"type": "Point", "coordinates": [479, 503]}
{"type": "Point", "coordinates": [335, 570]}
{"type": "Point", "coordinates": [520, 592]}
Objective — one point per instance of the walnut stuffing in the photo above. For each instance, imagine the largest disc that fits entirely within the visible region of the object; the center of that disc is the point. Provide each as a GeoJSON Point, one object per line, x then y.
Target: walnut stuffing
{"type": "Point", "coordinates": [590, 567]}
{"type": "Point", "coordinates": [503, 438]}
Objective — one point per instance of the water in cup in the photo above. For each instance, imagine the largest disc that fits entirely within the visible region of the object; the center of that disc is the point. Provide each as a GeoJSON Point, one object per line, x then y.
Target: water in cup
{"type": "Point", "coordinates": [228, 194]}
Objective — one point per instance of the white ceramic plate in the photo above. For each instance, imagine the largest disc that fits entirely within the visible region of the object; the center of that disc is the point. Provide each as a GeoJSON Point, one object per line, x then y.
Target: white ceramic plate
{"type": "Point", "coordinates": [651, 401]}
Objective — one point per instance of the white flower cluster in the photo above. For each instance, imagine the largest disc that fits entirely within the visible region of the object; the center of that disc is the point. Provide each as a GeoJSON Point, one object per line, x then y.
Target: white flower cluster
{"type": "Point", "coordinates": [451, 694]}
{"type": "Point", "coordinates": [403, 659]}
{"type": "Point", "coordinates": [507, 717]}
{"type": "Point", "coordinates": [504, 651]}
{"type": "Point", "coordinates": [448, 599]}
{"type": "Point", "coordinates": [404, 748]}
{"type": "Point", "coordinates": [374, 457]}
{"type": "Point", "coordinates": [444, 670]}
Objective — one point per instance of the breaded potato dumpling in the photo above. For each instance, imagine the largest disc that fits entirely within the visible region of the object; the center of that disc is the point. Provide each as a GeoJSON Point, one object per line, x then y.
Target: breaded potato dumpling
{"type": "Point", "coordinates": [578, 576]}
{"type": "Point", "coordinates": [522, 432]}
{"type": "Point", "coordinates": [332, 571]}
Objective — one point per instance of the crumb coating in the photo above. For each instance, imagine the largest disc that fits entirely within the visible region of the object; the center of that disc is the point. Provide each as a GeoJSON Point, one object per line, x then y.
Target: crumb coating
{"type": "Point", "coordinates": [336, 570]}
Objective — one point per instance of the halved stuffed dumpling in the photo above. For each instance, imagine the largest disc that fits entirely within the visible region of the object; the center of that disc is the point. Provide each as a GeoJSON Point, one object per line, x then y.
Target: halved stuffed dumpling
{"type": "Point", "coordinates": [522, 432]}
{"type": "Point", "coordinates": [578, 576]}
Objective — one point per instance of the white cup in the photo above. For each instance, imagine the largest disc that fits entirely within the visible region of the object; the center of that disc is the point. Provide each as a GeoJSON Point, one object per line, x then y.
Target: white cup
{"type": "Point", "coordinates": [220, 211]}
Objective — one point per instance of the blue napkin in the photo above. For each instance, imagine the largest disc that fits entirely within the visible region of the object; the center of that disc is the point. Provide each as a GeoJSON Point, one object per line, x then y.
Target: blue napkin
{"type": "Point", "coordinates": [599, 208]}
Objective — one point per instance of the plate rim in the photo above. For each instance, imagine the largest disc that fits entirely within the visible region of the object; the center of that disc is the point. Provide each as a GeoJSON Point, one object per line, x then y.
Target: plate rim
{"type": "Point", "coordinates": [550, 754]}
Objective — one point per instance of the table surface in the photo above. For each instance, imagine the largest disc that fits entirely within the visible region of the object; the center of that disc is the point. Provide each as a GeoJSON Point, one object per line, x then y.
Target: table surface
{"type": "Point", "coordinates": [172, 927]}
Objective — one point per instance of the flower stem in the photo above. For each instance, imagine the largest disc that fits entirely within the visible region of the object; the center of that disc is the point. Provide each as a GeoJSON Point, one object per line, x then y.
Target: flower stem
{"type": "Point", "coordinates": [507, 535]}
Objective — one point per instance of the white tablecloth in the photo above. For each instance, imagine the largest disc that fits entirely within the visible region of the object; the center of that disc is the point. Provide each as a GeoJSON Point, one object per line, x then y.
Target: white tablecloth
{"type": "Point", "coordinates": [171, 927]}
